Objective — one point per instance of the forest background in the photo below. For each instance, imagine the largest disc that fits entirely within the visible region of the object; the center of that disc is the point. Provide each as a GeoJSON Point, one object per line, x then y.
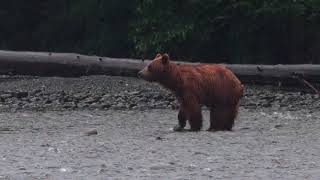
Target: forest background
{"type": "Point", "coordinates": [229, 31]}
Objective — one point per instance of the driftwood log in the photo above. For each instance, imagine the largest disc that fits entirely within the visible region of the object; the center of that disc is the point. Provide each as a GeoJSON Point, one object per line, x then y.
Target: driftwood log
{"type": "Point", "coordinates": [75, 65]}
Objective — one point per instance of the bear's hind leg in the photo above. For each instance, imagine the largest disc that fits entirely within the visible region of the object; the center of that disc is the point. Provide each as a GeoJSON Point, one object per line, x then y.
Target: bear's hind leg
{"type": "Point", "coordinates": [195, 118]}
{"type": "Point", "coordinates": [222, 118]}
{"type": "Point", "coordinates": [211, 128]}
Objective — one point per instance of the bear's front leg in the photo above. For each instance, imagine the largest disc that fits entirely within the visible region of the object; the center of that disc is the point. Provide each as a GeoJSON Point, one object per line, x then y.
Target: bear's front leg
{"type": "Point", "coordinates": [192, 109]}
{"type": "Point", "coordinates": [182, 118]}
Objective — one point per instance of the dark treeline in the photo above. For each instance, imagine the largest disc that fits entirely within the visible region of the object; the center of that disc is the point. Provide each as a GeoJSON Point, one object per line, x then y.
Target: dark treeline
{"type": "Point", "coordinates": [231, 31]}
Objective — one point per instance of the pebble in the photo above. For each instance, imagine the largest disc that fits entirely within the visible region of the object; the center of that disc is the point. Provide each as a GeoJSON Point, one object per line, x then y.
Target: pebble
{"type": "Point", "coordinates": [64, 170]}
{"type": "Point", "coordinates": [89, 132]}
{"type": "Point", "coordinates": [6, 96]}
{"type": "Point", "coordinates": [159, 138]}
{"type": "Point", "coordinates": [90, 100]}
{"type": "Point", "coordinates": [21, 94]}
{"type": "Point", "coordinates": [278, 126]}
{"type": "Point", "coordinates": [207, 169]}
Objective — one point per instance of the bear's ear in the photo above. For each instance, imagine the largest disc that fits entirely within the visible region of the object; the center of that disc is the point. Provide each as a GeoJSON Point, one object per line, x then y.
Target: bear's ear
{"type": "Point", "coordinates": [158, 55]}
{"type": "Point", "coordinates": [165, 58]}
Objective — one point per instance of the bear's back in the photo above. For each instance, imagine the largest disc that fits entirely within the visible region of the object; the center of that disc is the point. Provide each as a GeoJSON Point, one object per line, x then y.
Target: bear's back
{"type": "Point", "coordinates": [211, 83]}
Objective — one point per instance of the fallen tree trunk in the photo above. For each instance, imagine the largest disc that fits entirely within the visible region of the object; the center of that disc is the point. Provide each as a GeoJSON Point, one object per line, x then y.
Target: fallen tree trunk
{"type": "Point", "coordinates": [64, 64]}
{"type": "Point", "coordinates": [75, 65]}
{"type": "Point", "coordinates": [277, 74]}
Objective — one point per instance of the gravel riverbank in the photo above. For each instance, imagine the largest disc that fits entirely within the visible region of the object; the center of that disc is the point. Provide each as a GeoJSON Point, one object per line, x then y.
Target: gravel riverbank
{"type": "Point", "coordinates": [106, 92]}
{"type": "Point", "coordinates": [103, 127]}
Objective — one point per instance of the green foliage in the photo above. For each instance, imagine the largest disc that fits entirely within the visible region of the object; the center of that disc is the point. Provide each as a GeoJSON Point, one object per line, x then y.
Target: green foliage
{"type": "Point", "coordinates": [232, 31]}
{"type": "Point", "coordinates": [245, 31]}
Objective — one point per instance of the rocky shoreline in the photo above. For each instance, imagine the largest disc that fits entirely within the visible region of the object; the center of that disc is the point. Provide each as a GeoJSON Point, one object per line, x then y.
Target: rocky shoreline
{"type": "Point", "coordinates": [23, 93]}
{"type": "Point", "coordinates": [121, 128]}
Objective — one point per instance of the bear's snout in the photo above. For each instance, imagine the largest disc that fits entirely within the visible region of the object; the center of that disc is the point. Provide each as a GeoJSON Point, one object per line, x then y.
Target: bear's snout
{"type": "Point", "coordinates": [144, 75]}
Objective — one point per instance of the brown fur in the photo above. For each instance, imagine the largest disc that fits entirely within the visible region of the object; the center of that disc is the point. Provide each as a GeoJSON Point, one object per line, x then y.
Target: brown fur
{"type": "Point", "coordinates": [212, 85]}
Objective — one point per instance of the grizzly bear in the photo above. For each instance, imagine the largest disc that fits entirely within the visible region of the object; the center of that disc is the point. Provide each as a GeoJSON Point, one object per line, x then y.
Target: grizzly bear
{"type": "Point", "coordinates": [212, 85]}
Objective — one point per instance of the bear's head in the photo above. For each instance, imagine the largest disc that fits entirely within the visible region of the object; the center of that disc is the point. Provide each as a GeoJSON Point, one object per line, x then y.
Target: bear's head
{"type": "Point", "coordinates": [157, 69]}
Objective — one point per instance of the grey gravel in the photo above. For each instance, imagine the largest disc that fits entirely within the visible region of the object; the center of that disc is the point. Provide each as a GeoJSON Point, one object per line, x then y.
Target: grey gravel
{"type": "Point", "coordinates": [105, 92]}
{"type": "Point", "coordinates": [134, 144]}
{"type": "Point", "coordinates": [42, 135]}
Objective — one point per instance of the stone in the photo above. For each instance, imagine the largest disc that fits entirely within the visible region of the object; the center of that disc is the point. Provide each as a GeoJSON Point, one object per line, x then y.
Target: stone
{"type": "Point", "coordinates": [6, 96]}
{"type": "Point", "coordinates": [90, 132]}
{"type": "Point", "coordinates": [20, 95]}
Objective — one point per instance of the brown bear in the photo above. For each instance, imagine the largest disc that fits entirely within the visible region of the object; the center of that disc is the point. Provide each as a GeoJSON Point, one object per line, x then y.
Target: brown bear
{"type": "Point", "coordinates": [212, 85]}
